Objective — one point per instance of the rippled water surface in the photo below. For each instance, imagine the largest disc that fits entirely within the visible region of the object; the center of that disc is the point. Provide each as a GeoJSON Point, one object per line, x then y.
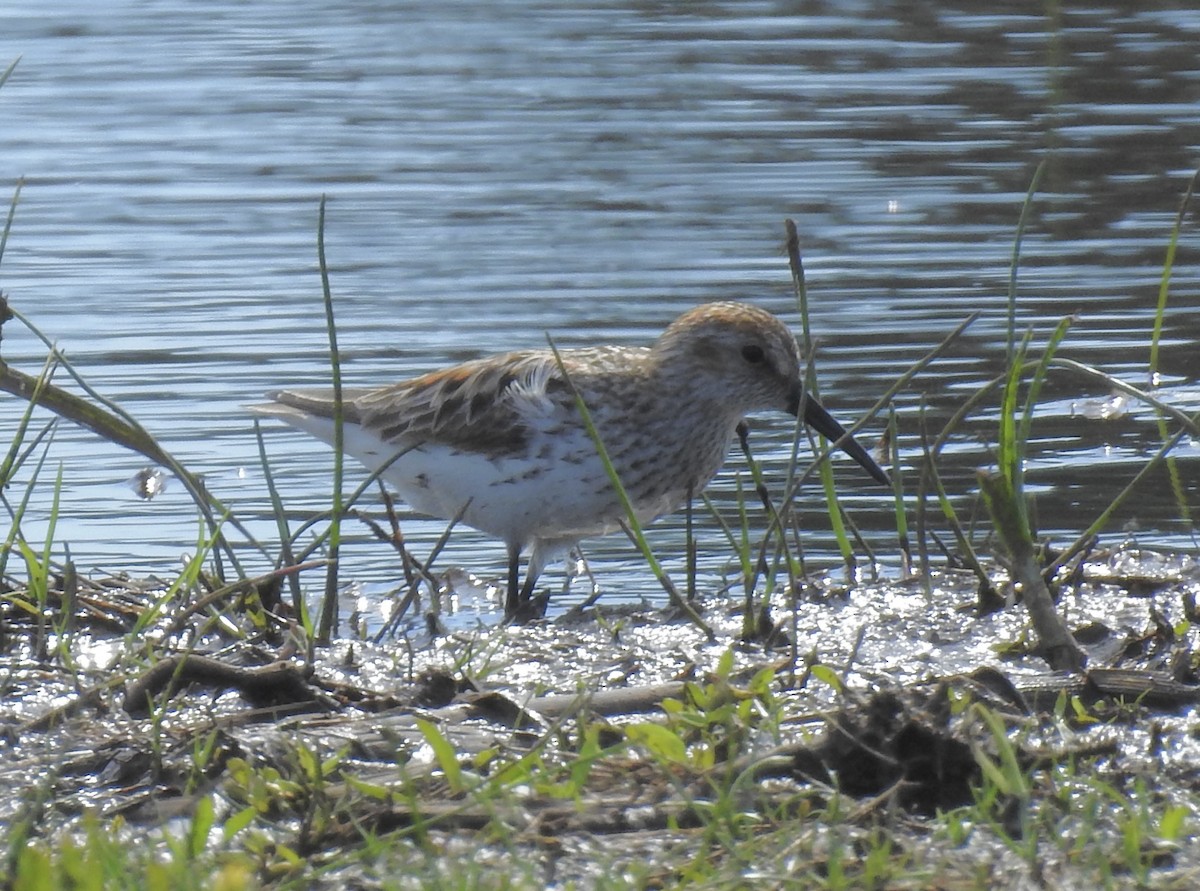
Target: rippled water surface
{"type": "Point", "coordinates": [497, 171]}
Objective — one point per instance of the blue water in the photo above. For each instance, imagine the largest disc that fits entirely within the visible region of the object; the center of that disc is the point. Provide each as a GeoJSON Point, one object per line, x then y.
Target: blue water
{"type": "Point", "coordinates": [498, 171]}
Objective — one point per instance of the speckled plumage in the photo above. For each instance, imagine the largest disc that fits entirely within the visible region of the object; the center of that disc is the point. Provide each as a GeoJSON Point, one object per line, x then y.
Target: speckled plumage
{"type": "Point", "coordinates": [502, 436]}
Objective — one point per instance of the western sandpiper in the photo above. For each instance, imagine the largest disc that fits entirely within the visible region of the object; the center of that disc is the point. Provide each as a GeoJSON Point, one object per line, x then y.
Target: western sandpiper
{"type": "Point", "coordinates": [499, 440]}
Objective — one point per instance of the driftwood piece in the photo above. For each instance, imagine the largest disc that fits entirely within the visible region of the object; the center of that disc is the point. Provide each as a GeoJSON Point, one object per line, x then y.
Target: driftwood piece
{"type": "Point", "coordinates": [1154, 689]}
{"type": "Point", "coordinates": [619, 701]}
{"type": "Point", "coordinates": [546, 819]}
{"type": "Point", "coordinates": [276, 683]}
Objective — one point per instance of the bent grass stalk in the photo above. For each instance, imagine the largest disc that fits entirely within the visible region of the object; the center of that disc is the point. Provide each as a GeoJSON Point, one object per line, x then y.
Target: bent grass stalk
{"type": "Point", "coordinates": [112, 423]}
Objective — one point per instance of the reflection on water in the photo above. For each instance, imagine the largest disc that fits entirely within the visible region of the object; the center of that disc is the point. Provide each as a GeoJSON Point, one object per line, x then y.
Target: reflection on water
{"type": "Point", "coordinates": [499, 170]}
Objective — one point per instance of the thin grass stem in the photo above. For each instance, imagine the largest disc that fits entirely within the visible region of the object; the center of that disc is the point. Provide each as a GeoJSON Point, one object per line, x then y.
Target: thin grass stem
{"type": "Point", "coordinates": [1177, 486]}
{"type": "Point", "coordinates": [774, 522]}
{"type": "Point", "coordinates": [8, 71]}
{"type": "Point", "coordinates": [931, 477]}
{"type": "Point", "coordinates": [811, 390]}
{"type": "Point", "coordinates": [902, 382]}
{"type": "Point", "coordinates": [901, 513]}
{"type": "Point", "coordinates": [1081, 543]}
{"type": "Point", "coordinates": [287, 556]}
{"type": "Point", "coordinates": [1164, 286]}
{"type": "Point", "coordinates": [328, 621]}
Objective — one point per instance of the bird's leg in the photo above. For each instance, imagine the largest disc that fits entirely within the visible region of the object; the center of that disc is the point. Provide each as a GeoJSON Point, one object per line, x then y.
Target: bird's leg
{"type": "Point", "coordinates": [743, 435]}
{"type": "Point", "coordinates": [691, 545]}
{"type": "Point", "coordinates": [531, 608]}
{"type": "Point", "coordinates": [531, 577]}
{"type": "Point", "coordinates": [513, 601]}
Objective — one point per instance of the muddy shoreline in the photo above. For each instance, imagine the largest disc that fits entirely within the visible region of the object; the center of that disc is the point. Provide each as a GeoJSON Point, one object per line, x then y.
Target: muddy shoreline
{"type": "Point", "coordinates": [889, 709]}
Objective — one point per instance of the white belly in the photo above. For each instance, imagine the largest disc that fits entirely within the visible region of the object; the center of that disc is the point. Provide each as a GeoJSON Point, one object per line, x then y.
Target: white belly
{"type": "Point", "coordinates": [517, 500]}
{"type": "Point", "coordinates": [560, 493]}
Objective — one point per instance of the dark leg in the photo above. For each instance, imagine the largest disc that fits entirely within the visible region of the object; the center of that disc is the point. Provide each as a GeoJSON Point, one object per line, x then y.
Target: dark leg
{"type": "Point", "coordinates": [531, 608]}
{"type": "Point", "coordinates": [530, 583]}
{"type": "Point", "coordinates": [513, 602]}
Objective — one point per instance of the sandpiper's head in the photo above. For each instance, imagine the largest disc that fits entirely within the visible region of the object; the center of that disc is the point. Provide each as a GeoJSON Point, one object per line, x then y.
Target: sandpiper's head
{"type": "Point", "coordinates": [743, 359]}
{"type": "Point", "coordinates": [741, 355]}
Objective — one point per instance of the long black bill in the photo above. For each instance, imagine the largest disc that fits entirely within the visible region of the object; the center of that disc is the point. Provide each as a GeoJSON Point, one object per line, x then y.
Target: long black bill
{"type": "Point", "coordinates": [823, 422]}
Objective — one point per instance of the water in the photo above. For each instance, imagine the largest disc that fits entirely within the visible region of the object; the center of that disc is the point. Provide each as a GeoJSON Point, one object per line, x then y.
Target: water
{"type": "Point", "coordinates": [497, 171]}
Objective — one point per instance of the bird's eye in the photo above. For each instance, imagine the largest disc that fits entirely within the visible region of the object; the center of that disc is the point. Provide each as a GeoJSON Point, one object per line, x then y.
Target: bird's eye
{"type": "Point", "coordinates": [753, 353]}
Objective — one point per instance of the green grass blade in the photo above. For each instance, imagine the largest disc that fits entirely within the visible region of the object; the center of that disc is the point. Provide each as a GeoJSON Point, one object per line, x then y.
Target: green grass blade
{"type": "Point", "coordinates": [1168, 266]}
{"type": "Point", "coordinates": [12, 458]}
{"type": "Point", "coordinates": [1177, 485]}
{"type": "Point", "coordinates": [52, 520]}
{"type": "Point", "coordinates": [443, 751]}
{"type": "Point", "coordinates": [8, 71]}
{"type": "Point", "coordinates": [1009, 450]}
{"type": "Point", "coordinates": [836, 525]}
{"type": "Point", "coordinates": [901, 512]}
{"type": "Point", "coordinates": [798, 284]}
{"type": "Point", "coordinates": [285, 538]}
{"type": "Point", "coordinates": [15, 535]}
{"type": "Point", "coordinates": [1039, 378]}
{"type": "Point", "coordinates": [1016, 256]}
{"type": "Point", "coordinates": [931, 478]}
{"type": "Point", "coordinates": [12, 206]}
